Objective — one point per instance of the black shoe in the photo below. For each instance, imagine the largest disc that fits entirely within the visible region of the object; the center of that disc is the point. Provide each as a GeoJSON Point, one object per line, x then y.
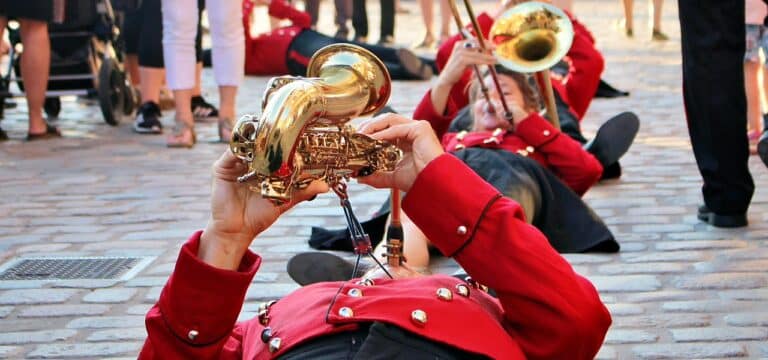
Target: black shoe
{"type": "Point", "coordinates": [611, 172]}
{"type": "Point", "coordinates": [3, 135]}
{"type": "Point", "coordinates": [762, 147]}
{"type": "Point", "coordinates": [202, 110]}
{"type": "Point", "coordinates": [313, 267]}
{"type": "Point", "coordinates": [605, 90]}
{"type": "Point", "coordinates": [723, 221]}
{"type": "Point", "coordinates": [148, 119]}
{"type": "Point", "coordinates": [413, 65]}
{"type": "Point", "coordinates": [614, 138]}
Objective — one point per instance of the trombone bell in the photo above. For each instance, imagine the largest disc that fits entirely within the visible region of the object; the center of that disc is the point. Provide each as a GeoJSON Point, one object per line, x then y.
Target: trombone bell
{"type": "Point", "coordinates": [531, 37]}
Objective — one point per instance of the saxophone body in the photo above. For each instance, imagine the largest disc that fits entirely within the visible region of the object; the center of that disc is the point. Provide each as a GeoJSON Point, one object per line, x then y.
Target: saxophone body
{"type": "Point", "coordinates": [302, 133]}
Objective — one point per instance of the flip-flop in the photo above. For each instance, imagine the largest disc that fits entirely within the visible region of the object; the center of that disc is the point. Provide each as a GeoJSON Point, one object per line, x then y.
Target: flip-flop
{"type": "Point", "coordinates": [51, 132]}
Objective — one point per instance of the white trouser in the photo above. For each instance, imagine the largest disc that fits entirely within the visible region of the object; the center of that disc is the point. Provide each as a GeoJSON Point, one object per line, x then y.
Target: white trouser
{"type": "Point", "coordinates": [179, 30]}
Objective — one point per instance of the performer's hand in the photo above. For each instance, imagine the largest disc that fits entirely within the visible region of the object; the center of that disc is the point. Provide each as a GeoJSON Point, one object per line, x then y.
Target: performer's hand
{"type": "Point", "coordinates": [465, 53]}
{"type": "Point", "coordinates": [238, 214]}
{"type": "Point", "coordinates": [416, 139]}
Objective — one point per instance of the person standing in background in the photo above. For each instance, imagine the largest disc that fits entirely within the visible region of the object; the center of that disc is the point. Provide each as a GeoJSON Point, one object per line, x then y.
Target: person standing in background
{"type": "Point", "coordinates": [756, 39]}
{"type": "Point", "coordinates": [179, 28]}
{"type": "Point", "coordinates": [445, 22]}
{"type": "Point", "coordinates": [713, 46]}
{"type": "Point", "coordinates": [628, 22]}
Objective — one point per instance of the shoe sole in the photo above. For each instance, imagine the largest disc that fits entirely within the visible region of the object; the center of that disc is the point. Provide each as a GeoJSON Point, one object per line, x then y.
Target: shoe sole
{"type": "Point", "coordinates": [142, 130]}
{"type": "Point", "coordinates": [616, 136]}
{"type": "Point", "coordinates": [313, 267]}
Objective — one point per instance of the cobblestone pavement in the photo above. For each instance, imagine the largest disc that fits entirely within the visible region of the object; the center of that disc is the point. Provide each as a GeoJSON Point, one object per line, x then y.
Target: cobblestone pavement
{"type": "Point", "coordinates": [678, 289]}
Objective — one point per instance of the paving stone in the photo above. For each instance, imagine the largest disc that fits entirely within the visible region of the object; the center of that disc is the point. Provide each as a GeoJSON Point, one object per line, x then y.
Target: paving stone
{"type": "Point", "coordinates": [45, 336]}
{"type": "Point", "coordinates": [63, 310]}
{"type": "Point", "coordinates": [627, 283]}
{"type": "Point", "coordinates": [625, 309]}
{"type": "Point", "coordinates": [139, 333]}
{"type": "Point", "coordinates": [688, 351]}
{"type": "Point", "coordinates": [35, 296]}
{"type": "Point", "coordinates": [697, 245]}
{"type": "Point", "coordinates": [641, 268]}
{"type": "Point", "coordinates": [106, 322]}
{"type": "Point", "coordinates": [109, 295]}
{"type": "Point", "coordinates": [755, 294]}
{"type": "Point", "coordinates": [665, 321]}
{"type": "Point", "coordinates": [682, 256]}
{"type": "Point", "coordinates": [618, 336]}
{"type": "Point", "coordinates": [140, 309]}
{"type": "Point", "coordinates": [82, 350]}
{"type": "Point", "coordinates": [8, 352]}
{"type": "Point", "coordinates": [5, 310]}
{"type": "Point", "coordinates": [719, 334]}
{"type": "Point", "coordinates": [662, 295]}
{"type": "Point", "coordinates": [709, 306]}
{"type": "Point", "coordinates": [721, 281]}
{"type": "Point", "coordinates": [147, 281]}
{"type": "Point", "coordinates": [747, 319]}
{"type": "Point", "coordinates": [606, 353]}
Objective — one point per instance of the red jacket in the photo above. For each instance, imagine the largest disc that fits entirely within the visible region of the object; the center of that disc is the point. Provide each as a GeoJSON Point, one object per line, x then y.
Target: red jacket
{"type": "Point", "coordinates": [544, 310]}
{"type": "Point", "coordinates": [266, 54]}
{"type": "Point", "coordinates": [577, 88]}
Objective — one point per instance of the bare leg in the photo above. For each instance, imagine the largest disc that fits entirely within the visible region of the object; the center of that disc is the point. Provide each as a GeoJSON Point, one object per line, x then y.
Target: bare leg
{"type": "Point", "coordinates": [656, 4]}
{"type": "Point", "coordinates": [564, 4]}
{"type": "Point", "coordinates": [132, 67]}
{"type": "Point", "coordinates": [153, 79]}
{"type": "Point", "coordinates": [426, 15]}
{"type": "Point", "coordinates": [197, 91]}
{"type": "Point", "coordinates": [35, 66]}
{"type": "Point", "coordinates": [184, 133]}
{"type": "Point", "coordinates": [415, 246]}
{"type": "Point", "coordinates": [628, 16]}
{"type": "Point", "coordinates": [445, 20]}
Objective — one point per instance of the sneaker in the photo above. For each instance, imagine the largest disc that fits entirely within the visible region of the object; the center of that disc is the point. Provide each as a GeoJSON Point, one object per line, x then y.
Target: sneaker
{"type": "Point", "coordinates": [202, 110]}
{"type": "Point", "coordinates": [148, 119]}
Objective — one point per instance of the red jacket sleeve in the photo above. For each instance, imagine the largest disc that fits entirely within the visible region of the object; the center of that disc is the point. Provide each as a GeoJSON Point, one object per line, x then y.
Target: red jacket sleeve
{"type": "Point", "coordinates": [204, 328]}
{"type": "Point", "coordinates": [282, 10]}
{"type": "Point", "coordinates": [565, 157]}
{"type": "Point", "coordinates": [425, 110]}
{"type": "Point", "coordinates": [550, 311]}
{"type": "Point", "coordinates": [586, 65]}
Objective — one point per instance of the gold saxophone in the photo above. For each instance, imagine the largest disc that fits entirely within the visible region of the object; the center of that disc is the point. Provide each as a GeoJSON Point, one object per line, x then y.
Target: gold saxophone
{"type": "Point", "coordinates": [302, 134]}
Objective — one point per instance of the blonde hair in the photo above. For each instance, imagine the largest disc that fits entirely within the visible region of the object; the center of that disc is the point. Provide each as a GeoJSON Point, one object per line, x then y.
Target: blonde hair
{"type": "Point", "coordinates": [530, 96]}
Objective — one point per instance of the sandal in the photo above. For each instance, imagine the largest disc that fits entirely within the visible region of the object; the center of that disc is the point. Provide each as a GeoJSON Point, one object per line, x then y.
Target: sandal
{"type": "Point", "coordinates": [183, 136]}
{"type": "Point", "coordinates": [225, 130]}
{"type": "Point", "coordinates": [51, 132]}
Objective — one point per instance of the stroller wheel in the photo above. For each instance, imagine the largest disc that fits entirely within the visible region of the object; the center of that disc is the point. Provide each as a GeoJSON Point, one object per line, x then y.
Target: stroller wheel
{"type": "Point", "coordinates": [111, 89]}
{"type": "Point", "coordinates": [52, 106]}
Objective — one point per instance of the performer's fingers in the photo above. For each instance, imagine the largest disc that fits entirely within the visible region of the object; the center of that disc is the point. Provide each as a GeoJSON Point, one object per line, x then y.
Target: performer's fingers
{"type": "Point", "coordinates": [379, 180]}
{"type": "Point", "coordinates": [382, 122]}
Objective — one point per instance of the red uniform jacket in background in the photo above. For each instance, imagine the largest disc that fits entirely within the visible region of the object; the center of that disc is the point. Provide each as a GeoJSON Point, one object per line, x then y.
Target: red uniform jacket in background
{"type": "Point", "coordinates": [266, 54]}
{"type": "Point", "coordinates": [577, 88]}
{"type": "Point", "coordinates": [544, 310]}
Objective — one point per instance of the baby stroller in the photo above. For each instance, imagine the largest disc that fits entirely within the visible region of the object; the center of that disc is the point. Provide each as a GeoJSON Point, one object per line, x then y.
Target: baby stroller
{"type": "Point", "coordinates": [84, 61]}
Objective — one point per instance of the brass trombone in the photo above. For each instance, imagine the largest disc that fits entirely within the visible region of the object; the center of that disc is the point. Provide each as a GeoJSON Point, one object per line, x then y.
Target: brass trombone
{"type": "Point", "coordinates": [530, 38]}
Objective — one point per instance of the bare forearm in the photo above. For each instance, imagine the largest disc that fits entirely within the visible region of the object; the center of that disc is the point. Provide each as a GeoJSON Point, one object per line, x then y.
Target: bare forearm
{"type": "Point", "coordinates": [439, 96]}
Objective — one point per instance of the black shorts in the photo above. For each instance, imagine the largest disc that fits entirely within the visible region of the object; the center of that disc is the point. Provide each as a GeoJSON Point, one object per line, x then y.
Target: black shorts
{"type": "Point", "coordinates": [41, 10]}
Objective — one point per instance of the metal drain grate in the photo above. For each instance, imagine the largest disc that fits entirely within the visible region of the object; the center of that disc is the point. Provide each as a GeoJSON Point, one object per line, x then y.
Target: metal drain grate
{"type": "Point", "coordinates": [69, 268]}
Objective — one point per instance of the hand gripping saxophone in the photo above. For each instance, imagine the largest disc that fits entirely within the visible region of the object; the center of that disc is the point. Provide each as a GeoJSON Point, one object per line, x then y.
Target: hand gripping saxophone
{"type": "Point", "coordinates": [302, 134]}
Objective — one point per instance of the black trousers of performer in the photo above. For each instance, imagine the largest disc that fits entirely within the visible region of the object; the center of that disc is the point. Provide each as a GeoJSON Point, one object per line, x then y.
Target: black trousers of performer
{"type": "Point", "coordinates": [376, 341]}
{"type": "Point", "coordinates": [360, 18]}
{"type": "Point", "coordinates": [713, 45]}
{"type": "Point", "coordinates": [143, 33]}
{"type": "Point", "coordinates": [309, 41]}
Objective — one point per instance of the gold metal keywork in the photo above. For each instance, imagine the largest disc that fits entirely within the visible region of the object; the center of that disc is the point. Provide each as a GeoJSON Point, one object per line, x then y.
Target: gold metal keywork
{"type": "Point", "coordinates": [302, 134]}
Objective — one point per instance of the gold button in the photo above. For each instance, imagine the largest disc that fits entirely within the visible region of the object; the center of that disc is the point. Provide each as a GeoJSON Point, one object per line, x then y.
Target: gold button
{"type": "Point", "coordinates": [546, 133]}
{"type": "Point", "coordinates": [459, 147]}
{"type": "Point", "coordinates": [365, 282]}
{"type": "Point", "coordinates": [460, 136]}
{"type": "Point", "coordinates": [529, 149]}
{"type": "Point", "coordinates": [355, 293]}
{"type": "Point", "coordinates": [522, 152]}
{"type": "Point", "coordinates": [192, 334]}
{"type": "Point", "coordinates": [444, 294]}
{"type": "Point", "coordinates": [461, 230]}
{"type": "Point", "coordinates": [346, 312]}
{"type": "Point", "coordinates": [274, 344]}
{"type": "Point", "coordinates": [462, 290]}
{"type": "Point", "coordinates": [419, 317]}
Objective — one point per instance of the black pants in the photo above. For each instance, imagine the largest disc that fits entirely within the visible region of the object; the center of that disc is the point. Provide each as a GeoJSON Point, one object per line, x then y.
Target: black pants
{"type": "Point", "coordinates": [378, 342]}
{"type": "Point", "coordinates": [143, 33]}
{"type": "Point", "coordinates": [713, 46]}
{"type": "Point", "coordinates": [309, 41]}
{"type": "Point", "coordinates": [360, 18]}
